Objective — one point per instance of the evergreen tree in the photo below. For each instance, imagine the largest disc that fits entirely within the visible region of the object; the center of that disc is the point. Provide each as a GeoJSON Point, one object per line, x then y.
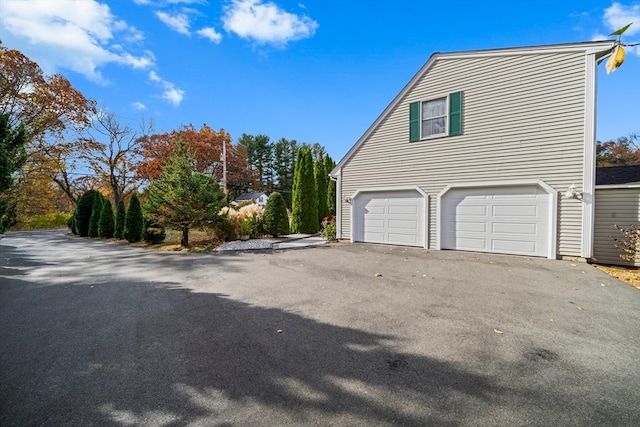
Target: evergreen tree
{"type": "Point", "coordinates": [106, 227]}
{"type": "Point", "coordinates": [304, 204]}
{"type": "Point", "coordinates": [329, 164]}
{"type": "Point", "coordinates": [321, 179]}
{"type": "Point", "coordinates": [12, 157]}
{"type": "Point", "coordinates": [275, 218]}
{"type": "Point", "coordinates": [121, 216]}
{"type": "Point", "coordinates": [96, 210]}
{"type": "Point", "coordinates": [134, 221]}
{"type": "Point", "coordinates": [182, 198]}
{"type": "Point", "coordinates": [83, 212]}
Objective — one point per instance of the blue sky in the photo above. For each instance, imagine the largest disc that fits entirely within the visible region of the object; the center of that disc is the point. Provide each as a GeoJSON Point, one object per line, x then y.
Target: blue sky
{"type": "Point", "coordinates": [315, 71]}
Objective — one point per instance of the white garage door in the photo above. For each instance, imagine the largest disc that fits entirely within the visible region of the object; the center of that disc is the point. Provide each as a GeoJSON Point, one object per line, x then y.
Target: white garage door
{"type": "Point", "coordinates": [394, 217]}
{"type": "Point", "coordinates": [508, 220]}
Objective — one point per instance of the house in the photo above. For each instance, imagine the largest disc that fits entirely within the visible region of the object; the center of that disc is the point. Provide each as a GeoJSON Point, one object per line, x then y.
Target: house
{"type": "Point", "coordinates": [617, 202]}
{"type": "Point", "coordinates": [489, 150]}
{"type": "Point", "coordinates": [259, 197]}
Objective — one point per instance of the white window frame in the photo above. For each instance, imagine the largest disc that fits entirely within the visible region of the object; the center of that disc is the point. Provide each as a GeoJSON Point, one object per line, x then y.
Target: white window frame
{"type": "Point", "coordinates": [446, 118]}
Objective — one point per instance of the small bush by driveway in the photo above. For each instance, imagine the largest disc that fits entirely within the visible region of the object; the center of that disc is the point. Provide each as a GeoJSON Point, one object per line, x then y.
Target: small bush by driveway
{"type": "Point", "coordinates": [340, 334]}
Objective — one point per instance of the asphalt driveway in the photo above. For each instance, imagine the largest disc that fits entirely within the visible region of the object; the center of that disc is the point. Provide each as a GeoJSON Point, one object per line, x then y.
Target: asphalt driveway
{"type": "Point", "coordinates": [94, 333]}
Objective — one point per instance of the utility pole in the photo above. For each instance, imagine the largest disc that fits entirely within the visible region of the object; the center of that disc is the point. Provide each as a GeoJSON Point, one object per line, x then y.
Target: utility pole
{"type": "Point", "coordinates": [224, 166]}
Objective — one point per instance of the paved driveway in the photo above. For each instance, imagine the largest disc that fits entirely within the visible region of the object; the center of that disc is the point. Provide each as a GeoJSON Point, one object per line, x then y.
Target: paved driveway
{"type": "Point", "coordinates": [104, 334]}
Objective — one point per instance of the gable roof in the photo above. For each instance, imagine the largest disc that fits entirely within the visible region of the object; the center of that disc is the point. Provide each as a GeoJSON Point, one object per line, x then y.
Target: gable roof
{"type": "Point", "coordinates": [602, 49]}
{"type": "Point", "coordinates": [616, 175]}
{"type": "Point", "coordinates": [249, 196]}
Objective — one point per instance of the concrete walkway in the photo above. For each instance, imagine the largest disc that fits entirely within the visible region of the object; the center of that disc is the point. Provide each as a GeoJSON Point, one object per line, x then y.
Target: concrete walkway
{"type": "Point", "coordinates": [290, 241]}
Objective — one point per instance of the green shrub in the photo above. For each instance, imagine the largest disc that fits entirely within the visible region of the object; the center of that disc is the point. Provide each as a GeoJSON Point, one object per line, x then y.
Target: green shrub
{"type": "Point", "coordinates": [154, 232]}
{"type": "Point", "coordinates": [329, 228]}
{"type": "Point", "coordinates": [223, 228]}
{"type": "Point", "coordinates": [121, 217]}
{"type": "Point", "coordinates": [96, 210]}
{"type": "Point", "coordinates": [134, 221]}
{"type": "Point", "coordinates": [106, 227]}
{"type": "Point", "coordinates": [46, 221]}
{"type": "Point", "coordinates": [71, 223]}
{"type": "Point", "coordinates": [83, 212]}
{"type": "Point", "coordinates": [275, 220]}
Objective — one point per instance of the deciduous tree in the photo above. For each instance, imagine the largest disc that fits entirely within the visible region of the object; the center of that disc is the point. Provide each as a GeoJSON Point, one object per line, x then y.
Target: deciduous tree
{"type": "Point", "coordinates": [206, 145]}
{"type": "Point", "coordinates": [110, 150]}
{"type": "Point", "coordinates": [623, 151]}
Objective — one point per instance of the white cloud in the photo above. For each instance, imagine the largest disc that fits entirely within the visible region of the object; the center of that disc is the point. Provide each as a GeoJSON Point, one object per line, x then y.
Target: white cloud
{"type": "Point", "coordinates": [618, 15]}
{"type": "Point", "coordinates": [139, 106]}
{"type": "Point", "coordinates": [179, 22]}
{"type": "Point", "coordinates": [77, 35]}
{"type": "Point", "coordinates": [171, 93]}
{"type": "Point", "coordinates": [211, 34]}
{"type": "Point", "coordinates": [264, 22]}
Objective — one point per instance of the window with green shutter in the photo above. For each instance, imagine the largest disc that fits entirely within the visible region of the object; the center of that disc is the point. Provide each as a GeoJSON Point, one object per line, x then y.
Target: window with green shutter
{"type": "Point", "coordinates": [414, 121]}
{"type": "Point", "coordinates": [455, 113]}
{"type": "Point", "coordinates": [436, 117]}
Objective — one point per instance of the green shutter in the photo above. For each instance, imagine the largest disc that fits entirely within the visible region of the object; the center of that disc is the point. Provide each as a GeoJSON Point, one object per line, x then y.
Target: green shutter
{"type": "Point", "coordinates": [455, 113]}
{"type": "Point", "coordinates": [414, 121]}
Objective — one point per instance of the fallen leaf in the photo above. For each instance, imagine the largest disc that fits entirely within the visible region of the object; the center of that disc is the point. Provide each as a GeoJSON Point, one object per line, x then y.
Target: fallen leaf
{"type": "Point", "coordinates": [551, 320]}
{"type": "Point", "coordinates": [603, 285]}
{"type": "Point", "coordinates": [279, 331]}
{"type": "Point", "coordinates": [579, 308]}
{"type": "Point", "coordinates": [498, 331]}
{"type": "Point", "coordinates": [378, 274]}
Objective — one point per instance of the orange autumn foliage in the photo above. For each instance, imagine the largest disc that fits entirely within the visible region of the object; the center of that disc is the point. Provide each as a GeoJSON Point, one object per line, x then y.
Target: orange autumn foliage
{"type": "Point", "coordinates": [206, 145]}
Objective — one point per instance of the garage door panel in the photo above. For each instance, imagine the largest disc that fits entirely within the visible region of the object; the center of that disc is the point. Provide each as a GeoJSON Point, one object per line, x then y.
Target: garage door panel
{"type": "Point", "coordinates": [515, 228]}
{"type": "Point", "coordinates": [402, 224]}
{"type": "Point", "coordinates": [393, 217]}
{"type": "Point", "coordinates": [472, 211]}
{"type": "Point", "coordinates": [515, 211]}
{"type": "Point", "coordinates": [470, 244]}
{"type": "Point", "coordinates": [477, 227]}
{"type": "Point", "coordinates": [510, 219]}
{"type": "Point", "coordinates": [403, 209]}
{"type": "Point", "coordinates": [513, 246]}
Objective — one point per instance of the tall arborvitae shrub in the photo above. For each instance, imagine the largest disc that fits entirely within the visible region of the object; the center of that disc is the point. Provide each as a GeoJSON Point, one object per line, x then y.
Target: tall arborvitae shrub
{"type": "Point", "coordinates": [304, 201]}
{"type": "Point", "coordinates": [321, 178]}
{"type": "Point", "coordinates": [275, 220]}
{"type": "Point", "coordinates": [106, 227]}
{"type": "Point", "coordinates": [134, 222]}
{"type": "Point", "coordinates": [121, 216]}
{"type": "Point", "coordinates": [329, 164]}
{"type": "Point", "coordinates": [83, 212]}
{"type": "Point", "coordinates": [96, 210]}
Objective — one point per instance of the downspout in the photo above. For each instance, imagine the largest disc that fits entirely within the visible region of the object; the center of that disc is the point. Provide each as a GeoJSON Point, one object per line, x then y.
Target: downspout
{"type": "Point", "coordinates": [338, 182]}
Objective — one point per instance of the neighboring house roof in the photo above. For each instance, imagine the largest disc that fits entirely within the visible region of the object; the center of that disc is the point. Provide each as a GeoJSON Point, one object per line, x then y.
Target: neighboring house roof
{"type": "Point", "coordinates": [249, 196]}
{"type": "Point", "coordinates": [615, 175]}
{"type": "Point", "coordinates": [601, 49]}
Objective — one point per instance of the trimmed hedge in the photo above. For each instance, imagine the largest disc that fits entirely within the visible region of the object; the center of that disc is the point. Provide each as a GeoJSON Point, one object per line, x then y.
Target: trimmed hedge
{"type": "Point", "coordinates": [275, 219]}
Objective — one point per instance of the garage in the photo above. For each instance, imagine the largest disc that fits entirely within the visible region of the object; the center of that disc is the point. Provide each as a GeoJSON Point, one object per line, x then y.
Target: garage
{"type": "Point", "coordinates": [514, 219]}
{"type": "Point", "coordinates": [396, 217]}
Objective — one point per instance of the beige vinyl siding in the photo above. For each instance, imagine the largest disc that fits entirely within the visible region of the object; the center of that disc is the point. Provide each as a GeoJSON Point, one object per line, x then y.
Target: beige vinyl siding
{"type": "Point", "coordinates": [619, 206]}
{"type": "Point", "coordinates": [523, 118]}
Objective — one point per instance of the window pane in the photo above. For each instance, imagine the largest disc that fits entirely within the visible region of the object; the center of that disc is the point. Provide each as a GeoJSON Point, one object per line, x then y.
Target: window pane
{"type": "Point", "coordinates": [433, 127]}
{"type": "Point", "coordinates": [435, 108]}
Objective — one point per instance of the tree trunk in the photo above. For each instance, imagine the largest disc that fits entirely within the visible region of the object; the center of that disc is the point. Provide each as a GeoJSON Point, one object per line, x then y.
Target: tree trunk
{"type": "Point", "coordinates": [185, 237]}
